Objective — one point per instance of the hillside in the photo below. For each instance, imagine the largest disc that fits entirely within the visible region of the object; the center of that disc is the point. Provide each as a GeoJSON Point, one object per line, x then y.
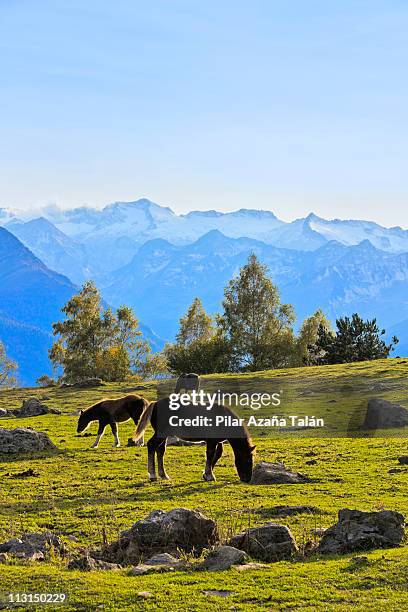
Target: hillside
{"type": "Point", "coordinates": [346, 472]}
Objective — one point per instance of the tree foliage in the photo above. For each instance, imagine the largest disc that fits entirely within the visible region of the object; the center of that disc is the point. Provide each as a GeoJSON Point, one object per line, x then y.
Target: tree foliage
{"type": "Point", "coordinates": [257, 325]}
{"type": "Point", "coordinates": [353, 340]}
{"type": "Point", "coordinates": [93, 341]}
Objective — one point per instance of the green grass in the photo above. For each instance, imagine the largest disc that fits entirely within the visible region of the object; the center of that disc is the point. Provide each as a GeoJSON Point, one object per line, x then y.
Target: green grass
{"type": "Point", "coordinates": [86, 495]}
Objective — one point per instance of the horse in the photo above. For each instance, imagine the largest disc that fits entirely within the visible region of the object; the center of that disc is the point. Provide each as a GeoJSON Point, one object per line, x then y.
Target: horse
{"type": "Point", "coordinates": [159, 414]}
{"type": "Point", "coordinates": [188, 382]}
{"type": "Point", "coordinates": [111, 412]}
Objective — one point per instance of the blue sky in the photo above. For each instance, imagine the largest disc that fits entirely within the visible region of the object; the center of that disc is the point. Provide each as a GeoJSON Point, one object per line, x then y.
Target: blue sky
{"type": "Point", "coordinates": [288, 106]}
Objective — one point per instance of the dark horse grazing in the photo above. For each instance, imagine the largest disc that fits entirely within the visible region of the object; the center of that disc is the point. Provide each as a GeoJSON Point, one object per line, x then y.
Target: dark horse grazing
{"type": "Point", "coordinates": [159, 414]}
{"type": "Point", "coordinates": [111, 412]}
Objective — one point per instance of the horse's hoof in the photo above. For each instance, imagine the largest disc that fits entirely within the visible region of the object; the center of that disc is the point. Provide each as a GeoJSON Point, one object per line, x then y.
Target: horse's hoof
{"type": "Point", "coordinates": [165, 477]}
{"type": "Point", "coordinates": [209, 478]}
{"type": "Point", "coordinates": [116, 445]}
{"type": "Point", "coordinates": [153, 478]}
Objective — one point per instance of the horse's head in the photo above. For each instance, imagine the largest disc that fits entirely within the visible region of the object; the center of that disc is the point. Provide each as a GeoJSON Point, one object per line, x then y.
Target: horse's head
{"type": "Point", "coordinates": [83, 421]}
{"type": "Point", "coordinates": [244, 462]}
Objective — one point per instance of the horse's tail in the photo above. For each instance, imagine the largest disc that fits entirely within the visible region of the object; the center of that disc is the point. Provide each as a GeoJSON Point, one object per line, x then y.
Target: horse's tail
{"type": "Point", "coordinates": [144, 421]}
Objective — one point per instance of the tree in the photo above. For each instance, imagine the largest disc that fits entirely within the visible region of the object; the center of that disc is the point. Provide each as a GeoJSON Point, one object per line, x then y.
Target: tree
{"type": "Point", "coordinates": [94, 341]}
{"type": "Point", "coordinates": [256, 323]}
{"type": "Point", "coordinates": [307, 337]}
{"type": "Point", "coordinates": [354, 340]}
{"type": "Point", "coordinates": [154, 367]}
{"type": "Point", "coordinates": [201, 356]}
{"type": "Point", "coordinates": [195, 325]}
{"type": "Point", "coordinates": [8, 369]}
{"type": "Point", "coordinates": [200, 346]}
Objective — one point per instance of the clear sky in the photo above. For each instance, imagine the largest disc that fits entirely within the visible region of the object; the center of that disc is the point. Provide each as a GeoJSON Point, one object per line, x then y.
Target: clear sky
{"type": "Point", "coordinates": [289, 106]}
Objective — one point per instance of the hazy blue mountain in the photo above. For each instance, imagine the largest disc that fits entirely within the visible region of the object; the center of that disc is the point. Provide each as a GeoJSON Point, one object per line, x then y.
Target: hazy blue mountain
{"type": "Point", "coordinates": [58, 251]}
{"type": "Point", "coordinates": [31, 298]}
{"type": "Point", "coordinates": [163, 279]}
{"type": "Point", "coordinates": [111, 236]}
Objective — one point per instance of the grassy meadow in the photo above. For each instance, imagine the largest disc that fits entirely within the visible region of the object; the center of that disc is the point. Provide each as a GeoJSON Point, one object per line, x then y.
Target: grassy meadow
{"type": "Point", "coordinates": [89, 496]}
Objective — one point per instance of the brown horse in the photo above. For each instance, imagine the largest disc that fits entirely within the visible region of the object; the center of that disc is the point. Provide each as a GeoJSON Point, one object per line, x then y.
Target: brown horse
{"type": "Point", "coordinates": [111, 412]}
{"type": "Point", "coordinates": [159, 414]}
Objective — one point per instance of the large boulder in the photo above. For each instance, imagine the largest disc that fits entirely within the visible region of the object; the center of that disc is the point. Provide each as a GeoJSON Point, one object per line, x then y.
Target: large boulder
{"type": "Point", "coordinates": [160, 532]}
{"type": "Point", "coordinates": [270, 542]}
{"type": "Point", "coordinates": [33, 546]}
{"type": "Point", "coordinates": [382, 414]}
{"type": "Point", "coordinates": [276, 473]}
{"type": "Point", "coordinates": [24, 440]}
{"type": "Point", "coordinates": [33, 407]}
{"type": "Point", "coordinates": [357, 530]}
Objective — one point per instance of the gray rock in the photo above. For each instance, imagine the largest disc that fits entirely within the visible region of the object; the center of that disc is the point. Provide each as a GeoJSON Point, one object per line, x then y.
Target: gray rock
{"type": "Point", "coordinates": [24, 440]}
{"type": "Point", "coordinates": [218, 593]}
{"type": "Point", "coordinates": [276, 473]}
{"type": "Point", "coordinates": [89, 564]}
{"type": "Point", "coordinates": [270, 542]}
{"type": "Point", "coordinates": [222, 558]}
{"type": "Point", "coordinates": [164, 559]}
{"type": "Point", "coordinates": [4, 557]}
{"type": "Point", "coordinates": [356, 530]}
{"type": "Point", "coordinates": [142, 569]}
{"type": "Point", "coordinates": [178, 529]}
{"type": "Point", "coordinates": [33, 546]}
{"type": "Point", "coordinates": [33, 407]}
{"type": "Point", "coordinates": [382, 414]}
{"type": "Point", "coordinates": [403, 460]}
{"type": "Point", "coordinates": [3, 412]}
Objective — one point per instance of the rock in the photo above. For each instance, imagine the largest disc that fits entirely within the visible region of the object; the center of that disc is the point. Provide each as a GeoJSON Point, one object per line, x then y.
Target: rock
{"type": "Point", "coordinates": [382, 414]}
{"type": "Point", "coordinates": [395, 470]}
{"type": "Point", "coordinates": [145, 594]}
{"type": "Point", "coordinates": [89, 564]}
{"type": "Point", "coordinates": [403, 460]}
{"type": "Point", "coordinates": [288, 510]}
{"type": "Point", "coordinates": [311, 462]}
{"type": "Point", "coordinates": [178, 529]}
{"type": "Point", "coordinates": [33, 546]}
{"type": "Point", "coordinates": [276, 473]}
{"type": "Point", "coordinates": [164, 559]}
{"type": "Point", "coordinates": [250, 566]}
{"type": "Point", "coordinates": [24, 440]}
{"type": "Point", "coordinates": [142, 569]}
{"type": "Point", "coordinates": [222, 558]}
{"type": "Point", "coordinates": [32, 407]}
{"type": "Point", "coordinates": [270, 542]}
{"type": "Point", "coordinates": [25, 474]}
{"type": "Point", "coordinates": [356, 530]}
{"type": "Point", "coordinates": [3, 412]}
{"type": "Point", "coordinates": [4, 557]}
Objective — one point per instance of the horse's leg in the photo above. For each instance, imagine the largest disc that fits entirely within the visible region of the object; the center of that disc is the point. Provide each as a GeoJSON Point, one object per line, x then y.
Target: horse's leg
{"type": "Point", "coordinates": [114, 428]}
{"type": "Point", "coordinates": [210, 452]}
{"type": "Point", "coordinates": [218, 452]}
{"type": "Point", "coordinates": [161, 449]}
{"type": "Point", "coordinates": [151, 450]}
{"type": "Point", "coordinates": [101, 431]}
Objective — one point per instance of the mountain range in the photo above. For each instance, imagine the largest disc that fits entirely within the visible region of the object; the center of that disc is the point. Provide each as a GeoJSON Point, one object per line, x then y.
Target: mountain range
{"type": "Point", "coordinates": [145, 255]}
